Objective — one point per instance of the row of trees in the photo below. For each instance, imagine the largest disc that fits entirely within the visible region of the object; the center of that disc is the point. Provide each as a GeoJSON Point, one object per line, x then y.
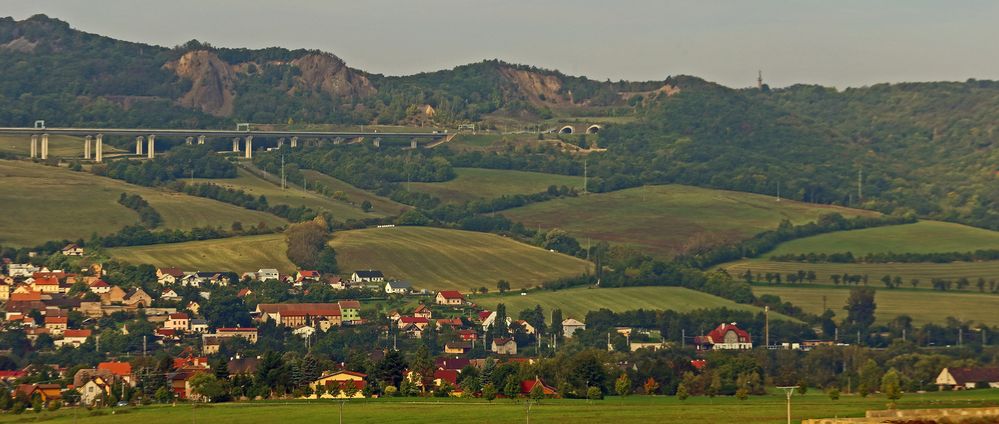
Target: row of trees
{"type": "Point", "coordinates": [148, 216]}
{"type": "Point", "coordinates": [890, 257]}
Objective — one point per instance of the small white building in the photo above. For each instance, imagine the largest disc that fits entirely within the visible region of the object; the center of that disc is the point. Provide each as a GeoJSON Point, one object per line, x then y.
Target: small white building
{"type": "Point", "coordinates": [367, 276]}
{"type": "Point", "coordinates": [398, 287]}
{"type": "Point", "coordinates": [570, 326]}
{"type": "Point", "coordinates": [265, 274]}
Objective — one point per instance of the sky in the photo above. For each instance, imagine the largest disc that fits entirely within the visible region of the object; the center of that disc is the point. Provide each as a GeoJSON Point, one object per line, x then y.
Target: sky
{"type": "Point", "coordinates": [841, 43]}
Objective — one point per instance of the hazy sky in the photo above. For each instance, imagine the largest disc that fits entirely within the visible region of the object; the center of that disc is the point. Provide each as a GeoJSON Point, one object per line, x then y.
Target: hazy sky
{"type": "Point", "coordinates": [831, 42]}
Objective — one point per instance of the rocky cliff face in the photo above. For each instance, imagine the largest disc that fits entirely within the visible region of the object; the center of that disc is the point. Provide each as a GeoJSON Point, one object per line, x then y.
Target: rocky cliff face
{"type": "Point", "coordinates": [327, 73]}
{"type": "Point", "coordinates": [538, 88]}
{"type": "Point", "coordinates": [212, 82]}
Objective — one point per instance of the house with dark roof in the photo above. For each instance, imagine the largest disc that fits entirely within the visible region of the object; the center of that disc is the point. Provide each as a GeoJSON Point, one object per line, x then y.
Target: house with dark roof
{"type": "Point", "coordinates": [968, 378]}
{"type": "Point", "coordinates": [367, 276]}
{"type": "Point", "coordinates": [168, 276]}
{"type": "Point", "coordinates": [504, 346]}
{"type": "Point", "coordinates": [398, 287]}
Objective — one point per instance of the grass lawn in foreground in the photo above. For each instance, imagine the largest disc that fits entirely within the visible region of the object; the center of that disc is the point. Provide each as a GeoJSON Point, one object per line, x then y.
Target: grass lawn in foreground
{"type": "Point", "coordinates": [476, 183]}
{"type": "Point", "coordinates": [768, 409]}
{"type": "Point", "coordinates": [575, 303]}
{"type": "Point", "coordinates": [237, 254]}
{"type": "Point", "coordinates": [436, 258]}
{"type": "Point", "coordinates": [922, 305]}
{"type": "Point", "coordinates": [661, 220]}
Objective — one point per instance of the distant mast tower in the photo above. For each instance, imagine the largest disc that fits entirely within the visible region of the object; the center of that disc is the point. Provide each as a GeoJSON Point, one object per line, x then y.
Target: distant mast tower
{"type": "Point", "coordinates": [759, 80]}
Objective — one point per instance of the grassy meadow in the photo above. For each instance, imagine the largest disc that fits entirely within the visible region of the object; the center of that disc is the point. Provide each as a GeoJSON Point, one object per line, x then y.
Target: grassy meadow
{"type": "Point", "coordinates": [661, 220]}
{"type": "Point", "coordinates": [920, 237]}
{"type": "Point", "coordinates": [477, 183]}
{"type": "Point", "coordinates": [292, 196]}
{"type": "Point", "coordinates": [237, 254]}
{"type": "Point", "coordinates": [356, 196]}
{"type": "Point", "coordinates": [435, 258]}
{"type": "Point", "coordinates": [922, 305]}
{"type": "Point", "coordinates": [87, 204]}
{"type": "Point", "coordinates": [767, 409]}
{"type": "Point", "coordinates": [575, 303]}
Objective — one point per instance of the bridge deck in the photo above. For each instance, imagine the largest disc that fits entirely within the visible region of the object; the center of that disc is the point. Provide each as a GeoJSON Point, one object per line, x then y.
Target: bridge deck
{"type": "Point", "coordinates": [161, 132]}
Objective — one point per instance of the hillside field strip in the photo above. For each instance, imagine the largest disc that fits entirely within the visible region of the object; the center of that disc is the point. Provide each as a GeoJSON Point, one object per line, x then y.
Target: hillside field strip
{"type": "Point", "coordinates": [237, 254]}
{"type": "Point", "coordinates": [576, 302]}
{"type": "Point", "coordinates": [477, 183]}
{"type": "Point", "coordinates": [662, 219]}
{"type": "Point", "coordinates": [293, 195]}
{"type": "Point", "coordinates": [436, 259]}
{"type": "Point", "coordinates": [922, 305]}
{"type": "Point", "coordinates": [766, 409]}
{"type": "Point", "coordinates": [920, 237]}
{"type": "Point", "coordinates": [355, 196]}
{"type": "Point", "coordinates": [88, 204]}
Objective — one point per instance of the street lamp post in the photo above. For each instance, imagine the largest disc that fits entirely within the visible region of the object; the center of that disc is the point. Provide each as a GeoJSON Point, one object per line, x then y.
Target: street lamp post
{"type": "Point", "coordinates": [788, 391]}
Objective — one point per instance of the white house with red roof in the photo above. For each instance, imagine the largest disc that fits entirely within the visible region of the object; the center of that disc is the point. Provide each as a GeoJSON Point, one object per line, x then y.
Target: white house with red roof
{"type": "Point", "coordinates": [179, 321]}
{"type": "Point", "coordinates": [73, 338]}
{"type": "Point", "coordinates": [725, 336]}
{"type": "Point", "coordinates": [450, 298]}
{"type": "Point", "coordinates": [100, 287]}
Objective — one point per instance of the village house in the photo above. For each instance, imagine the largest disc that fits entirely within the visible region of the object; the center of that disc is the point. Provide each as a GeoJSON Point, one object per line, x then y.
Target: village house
{"type": "Point", "coordinates": [21, 270]}
{"type": "Point", "coordinates": [420, 323]}
{"type": "Point", "coordinates": [99, 287]}
{"type": "Point", "coordinates": [92, 391]}
{"type": "Point", "coordinates": [336, 283]}
{"type": "Point", "coordinates": [137, 298]}
{"type": "Point", "coordinates": [168, 276]}
{"type": "Point", "coordinates": [56, 325]}
{"type": "Point", "coordinates": [725, 336]}
{"type": "Point", "coordinates": [115, 295]}
{"type": "Point", "coordinates": [571, 326]}
{"type": "Point", "coordinates": [468, 335]}
{"type": "Point", "coordinates": [47, 285]}
{"type": "Point", "coordinates": [169, 294]}
{"type": "Point", "coordinates": [527, 386]}
{"type": "Point", "coordinates": [968, 378]}
{"type": "Point", "coordinates": [73, 338]}
{"type": "Point", "coordinates": [122, 371]}
{"type": "Point", "coordinates": [299, 314]}
{"type": "Point", "coordinates": [504, 346]}
{"type": "Point", "coordinates": [5, 289]}
{"type": "Point", "coordinates": [452, 323]}
{"type": "Point", "coordinates": [450, 298]}
{"type": "Point", "coordinates": [457, 348]}
{"type": "Point", "coordinates": [423, 311]}
{"type": "Point", "coordinates": [199, 326]}
{"type": "Point", "coordinates": [525, 326]}
{"type": "Point", "coordinates": [305, 276]}
{"type": "Point", "coordinates": [248, 333]}
{"type": "Point", "coordinates": [350, 311]}
{"type": "Point", "coordinates": [367, 276]}
{"type": "Point", "coordinates": [194, 307]}
{"type": "Point", "coordinates": [179, 321]}
{"type": "Point", "coordinates": [398, 287]}
{"type": "Point", "coordinates": [45, 392]}
{"type": "Point", "coordinates": [336, 385]}
{"type": "Point", "coordinates": [265, 274]}
{"type": "Point", "coordinates": [72, 250]}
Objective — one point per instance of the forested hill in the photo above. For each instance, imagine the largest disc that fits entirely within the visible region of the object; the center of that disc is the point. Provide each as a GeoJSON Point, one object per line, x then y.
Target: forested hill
{"type": "Point", "coordinates": [927, 148]}
{"type": "Point", "coordinates": [54, 72]}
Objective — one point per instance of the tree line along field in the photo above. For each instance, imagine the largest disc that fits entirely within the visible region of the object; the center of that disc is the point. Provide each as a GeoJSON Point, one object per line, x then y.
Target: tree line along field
{"type": "Point", "coordinates": [924, 272]}
{"type": "Point", "coordinates": [767, 409]}
{"type": "Point", "coordinates": [293, 195]}
{"type": "Point", "coordinates": [924, 306]}
{"type": "Point", "coordinates": [662, 220]}
{"type": "Point", "coordinates": [478, 183]}
{"type": "Point", "coordinates": [237, 254]}
{"type": "Point", "coordinates": [86, 204]}
{"type": "Point", "coordinates": [438, 259]}
{"type": "Point", "coordinates": [379, 205]}
{"type": "Point", "coordinates": [575, 303]}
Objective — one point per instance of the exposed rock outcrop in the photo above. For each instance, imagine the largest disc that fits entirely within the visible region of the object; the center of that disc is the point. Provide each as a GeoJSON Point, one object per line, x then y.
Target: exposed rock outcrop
{"type": "Point", "coordinates": [329, 74]}
{"type": "Point", "coordinates": [538, 88]}
{"type": "Point", "coordinates": [212, 82]}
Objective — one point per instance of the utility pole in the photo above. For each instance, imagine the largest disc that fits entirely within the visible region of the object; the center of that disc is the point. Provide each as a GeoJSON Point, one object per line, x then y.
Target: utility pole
{"type": "Point", "coordinates": [143, 346]}
{"type": "Point", "coordinates": [788, 391]}
{"type": "Point", "coordinates": [766, 331]}
{"type": "Point", "coordinates": [683, 338]}
{"type": "Point", "coordinates": [282, 172]}
{"type": "Point", "coordinates": [860, 184]}
{"type": "Point", "coordinates": [778, 191]}
{"type": "Point", "coordinates": [585, 176]}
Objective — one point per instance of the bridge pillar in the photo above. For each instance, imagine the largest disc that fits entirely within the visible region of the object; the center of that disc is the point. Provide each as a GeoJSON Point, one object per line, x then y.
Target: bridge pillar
{"type": "Point", "coordinates": [235, 144]}
{"type": "Point", "coordinates": [281, 142]}
{"type": "Point", "coordinates": [99, 152]}
{"type": "Point", "coordinates": [294, 142]}
{"type": "Point", "coordinates": [189, 140]}
{"type": "Point", "coordinates": [249, 147]}
{"type": "Point", "coordinates": [152, 146]}
{"type": "Point", "coordinates": [86, 146]}
{"type": "Point", "coordinates": [138, 145]}
{"type": "Point", "coordinates": [201, 139]}
{"type": "Point", "coordinates": [338, 140]}
{"type": "Point", "coordinates": [45, 146]}
{"type": "Point", "coordinates": [377, 142]}
{"type": "Point", "coordinates": [412, 143]}
{"type": "Point", "coordinates": [34, 146]}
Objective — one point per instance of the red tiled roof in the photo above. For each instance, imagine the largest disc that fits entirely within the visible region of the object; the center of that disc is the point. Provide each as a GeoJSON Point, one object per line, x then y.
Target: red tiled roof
{"type": "Point", "coordinates": [349, 304]}
{"type": "Point", "coordinates": [421, 308]}
{"type": "Point", "coordinates": [451, 294]}
{"type": "Point", "coordinates": [26, 297]}
{"type": "Point", "coordinates": [527, 385]}
{"type": "Point", "coordinates": [4, 374]}
{"type": "Point", "coordinates": [116, 368]}
{"type": "Point", "coordinates": [46, 281]}
{"type": "Point", "coordinates": [414, 320]}
{"type": "Point", "coordinates": [76, 333]}
{"type": "Point", "coordinates": [308, 274]}
{"type": "Point", "coordinates": [179, 315]}
{"type": "Point", "coordinates": [176, 272]}
{"type": "Point", "coordinates": [56, 320]}
{"type": "Point", "coordinates": [718, 334]}
{"type": "Point", "coordinates": [450, 376]}
{"type": "Point", "coordinates": [100, 283]}
{"type": "Point", "coordinates": [452, 363]}
{"type": "Point", "coordinates": [234, 329]}
{"type": "Point", "coordinates": [297, 309]}
{"type": "Point", "coordinates": [484, 314]}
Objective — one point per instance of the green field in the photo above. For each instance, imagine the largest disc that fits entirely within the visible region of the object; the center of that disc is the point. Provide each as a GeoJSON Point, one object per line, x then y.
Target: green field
{"type": "Point", "coordinates": [237, 254]}
{"type": "Point", "coordinates": [575, 303]}
{"type": "Point", "coordinates": [435, 258]}
{"type": "Point", "coordinates": [664, 219]}
{"type": "Point", "coordinates": [921, 237]}
{"type": "Point", "coordinates": [42, 203]}
{"type": "Point", "coordinates": [768, 409]}
{"type": "Point", "coordinates": [476, 183]}
{"type": "Point", "coordinates": [293, 195]}
{"type": "Point", "coordinates": [356, 196]}
{"type": "Point", "coordinates": [924, 272]}
{"type": "Point", "coordinates": [922, 305]}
